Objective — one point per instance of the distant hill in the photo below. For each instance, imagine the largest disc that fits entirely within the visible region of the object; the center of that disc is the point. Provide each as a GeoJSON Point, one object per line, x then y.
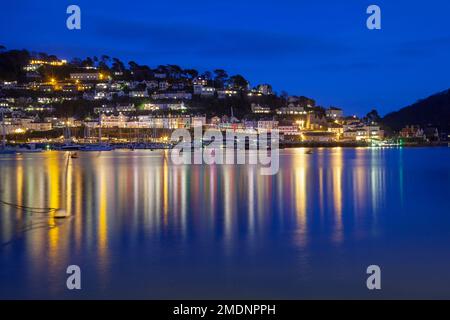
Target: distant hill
{"type": "Point", "coordinates": [432, 111]}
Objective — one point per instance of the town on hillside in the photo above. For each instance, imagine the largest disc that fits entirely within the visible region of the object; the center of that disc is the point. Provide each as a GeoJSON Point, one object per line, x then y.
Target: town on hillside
{"type": "Point", "coordinates": [44, 99]}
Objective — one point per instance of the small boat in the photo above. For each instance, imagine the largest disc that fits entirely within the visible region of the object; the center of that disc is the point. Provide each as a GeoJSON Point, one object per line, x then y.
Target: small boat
{"type": "Point", "coordinates": [74, 155]}
{"type": "Point", "coordinates": [309, 151]}
{"type": "Point", "coordinates": [60, 214]}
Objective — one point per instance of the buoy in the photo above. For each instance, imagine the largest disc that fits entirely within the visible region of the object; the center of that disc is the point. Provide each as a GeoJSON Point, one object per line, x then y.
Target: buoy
{"type": "Point", "coordinates": [60, 214]}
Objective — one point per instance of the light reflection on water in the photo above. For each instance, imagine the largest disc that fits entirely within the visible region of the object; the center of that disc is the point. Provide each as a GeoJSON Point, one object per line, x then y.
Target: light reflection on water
{"type": "Point", "coordinates": [143, 228]}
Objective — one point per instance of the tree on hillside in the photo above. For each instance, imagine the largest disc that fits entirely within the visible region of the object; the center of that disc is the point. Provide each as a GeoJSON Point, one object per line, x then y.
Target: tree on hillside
{"type": "Point", "coordinates": [207, 75]}
{"type": "Point", "coordinates": [103, 63]}
{"type": "Point", "coordinates": [373, 116]}
{"type": "Point", "coordinates": [133, 66]}
{"type": "Point", "coordinates": [174, 71]}
{"type": "Point", "coordinates": [191, 73]}
{"type": "Point", "coordinates": [117, 65]}
{"type": "Point", "coordinates": [12, 63]}
{"type": "Point", "coordinates": [88, 62]}
{"type": "Point", "coordinates": [220, 78]}
{"type": "Point", "coordinates": [104, 58]}
{"type": "Point", "coordinates": [238, 82]}
{"type": "Point", "coordinates": [77, 62]}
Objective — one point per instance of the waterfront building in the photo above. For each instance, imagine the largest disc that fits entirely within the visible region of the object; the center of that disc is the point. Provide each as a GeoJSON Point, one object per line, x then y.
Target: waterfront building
{"type": "Point", "coordinates": [198, 121]}
{"type": "Point", "coordinates": [315, 121]}
{"type": "Point", "coordinates": [336, 128]}
{"type": "Point", "coordinates": [215, 122]}
{"type": "Point", "coordinates": [113, 121]}
{"type": "Point", "coordinates": [318, 136]}
{"type": "Point", "coordinates": [363, 133]}
{"type": "Point", "coordinates": [289, 130]}
{"type": "Point", "coordinates": [412, 132]}
{"type": "Point", "coordinates": [267, 125]}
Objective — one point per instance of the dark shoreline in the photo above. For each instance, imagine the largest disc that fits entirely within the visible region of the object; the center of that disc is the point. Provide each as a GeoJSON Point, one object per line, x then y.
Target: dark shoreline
{"type": "Point", "coordinates": [284, 145]}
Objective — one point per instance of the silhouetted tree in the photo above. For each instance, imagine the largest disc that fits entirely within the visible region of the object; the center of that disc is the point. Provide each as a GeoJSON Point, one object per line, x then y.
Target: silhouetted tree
{"type": "Point", "coordinates": [373, 116]}
{"type": "Point", "coordinates": [220, 78]}
{"type": "Point", "coordinates": [191, 73]}
{"type": "Point", "coordinates": [238, 82]}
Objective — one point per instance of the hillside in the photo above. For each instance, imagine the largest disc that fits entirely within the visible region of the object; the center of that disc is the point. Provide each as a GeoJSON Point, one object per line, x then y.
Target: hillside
{"type": "Point", "coordinates": [432, 111]}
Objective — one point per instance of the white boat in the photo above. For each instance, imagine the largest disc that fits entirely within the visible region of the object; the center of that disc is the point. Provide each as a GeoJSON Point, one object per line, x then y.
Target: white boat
{"type": "Point", "coordinates": [68, 147]}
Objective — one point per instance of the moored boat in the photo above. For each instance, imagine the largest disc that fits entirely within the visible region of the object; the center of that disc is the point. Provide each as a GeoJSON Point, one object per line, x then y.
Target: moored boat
{"type": "Point", "coordinates": [28, 148]}
{"type": "Point", "coordinates": [97, 147]}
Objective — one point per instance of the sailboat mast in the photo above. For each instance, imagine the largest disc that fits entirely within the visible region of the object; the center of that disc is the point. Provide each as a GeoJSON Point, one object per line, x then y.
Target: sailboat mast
{"type": "Point", "coordinates": [99, 129]}
{"type": "Point", "coordinates": [3, 130]}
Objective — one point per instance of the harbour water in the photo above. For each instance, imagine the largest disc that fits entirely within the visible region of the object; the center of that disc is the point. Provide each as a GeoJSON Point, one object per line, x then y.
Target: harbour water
{"type": "Point", "coordinates": [141, 227]}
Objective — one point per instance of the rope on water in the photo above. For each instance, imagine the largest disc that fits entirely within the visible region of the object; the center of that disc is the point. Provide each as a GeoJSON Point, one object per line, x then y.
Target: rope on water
{"type": "Point", "coordinates": [27, 208]}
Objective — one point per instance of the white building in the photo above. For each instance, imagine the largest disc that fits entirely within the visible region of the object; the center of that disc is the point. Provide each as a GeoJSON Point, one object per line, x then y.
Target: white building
{"type": "Point", "coordinates": [291, 110]}
{"type": "Point", "coordinates": [227, 93]}
{"type": "Point", "coordinates": [265, 89]}
{"type": "Point", "coordinates": [334, 113]}
{"type": "Point", "coordinates": [256, 108]}
{"type": "Point", "coordinates": [139, 94]}
{"type": "Point", "coordinates": [86, 76]}
{"type": "Point", "coordinates": [208, 92]}
{"type": "Point", "coordinates": [267, 125]}
{"type": "Point", "coordinates": [103, 95]}
{"type": "Point", "coordinates": [198, 121]}
{"type": "Point", "coordinates": [112, 121]}
{"type": "Point", "coordinates": [363, 133]}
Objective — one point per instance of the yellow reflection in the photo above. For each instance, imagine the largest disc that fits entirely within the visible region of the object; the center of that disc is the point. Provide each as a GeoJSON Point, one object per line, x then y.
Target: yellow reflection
{"type": "Point", "coordinates": [165, 192]}
{"type": "Point", "coordinates": [300, 197]}
{"type": "Point", "coordinates": [336, 165]}
{"type": "Point", "coordinates": [19, 181]}
{"type": "Point", "coordinates": [53, 172]}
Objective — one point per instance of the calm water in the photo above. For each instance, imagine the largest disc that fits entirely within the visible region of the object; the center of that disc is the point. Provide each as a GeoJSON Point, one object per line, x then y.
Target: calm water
{"type": "Point", "coordinates": [143, 228]}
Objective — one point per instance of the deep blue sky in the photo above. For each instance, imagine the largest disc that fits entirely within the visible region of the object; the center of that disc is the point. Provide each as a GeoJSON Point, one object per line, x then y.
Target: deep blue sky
{"type": "Point", "coordinates": [321, 49]}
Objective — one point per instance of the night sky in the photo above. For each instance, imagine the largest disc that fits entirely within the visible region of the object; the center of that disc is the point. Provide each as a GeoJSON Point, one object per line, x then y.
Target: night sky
{"type": "Point", "coordinates": [321, 49]}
